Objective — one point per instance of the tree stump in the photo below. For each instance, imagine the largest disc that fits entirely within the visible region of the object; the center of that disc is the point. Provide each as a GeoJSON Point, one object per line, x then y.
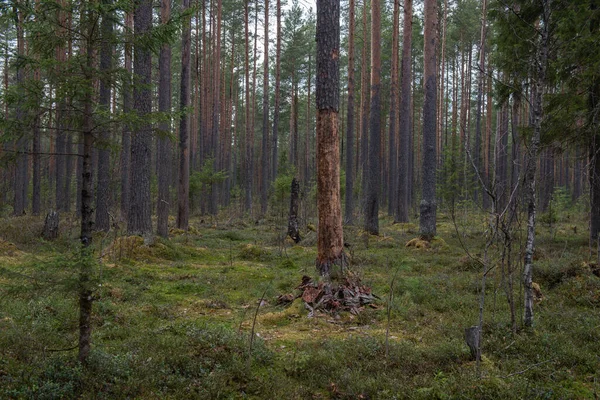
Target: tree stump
{"type": "Point", "coordinates": [50, 231]}
{"type": "Point", "coordinates": [293, 230]}
{"type": "Point", "coordinates": [472, 339]}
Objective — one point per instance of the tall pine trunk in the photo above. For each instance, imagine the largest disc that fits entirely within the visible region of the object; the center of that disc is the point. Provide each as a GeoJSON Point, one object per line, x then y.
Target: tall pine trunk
{"type": "Point", "coordinates": [126, 133]}
{"type": "Point", "coordinates": [183, 209]}
{"type": "Point", "coordinates": [392, 183]}
{"type": "Point", "coordinates": [138, 218]}
{"type": "Point", "coordinates": [21, 184]}
{"type": "Point", "coordinates": [265, 121]}
{"type": "Point", "coordinates": [349, 212]}
{"type": "Point", "coordinates": [102, 190]}
{"type": "Point", "coordinates": [330, 249]}
{"type": "Point", "coordinates": [277, 95]}
{"type": "Point", "coordinates": [374, 162]}
{"type": "Point", "coordinates": [163, 144]}
{"type": "Point", "coordinates": [405, 125]}
{"type": "Point", "coordinates": [428, 204]}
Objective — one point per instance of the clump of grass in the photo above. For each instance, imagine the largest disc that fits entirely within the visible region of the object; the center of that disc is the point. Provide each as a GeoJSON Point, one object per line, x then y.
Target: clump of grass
{"type": "Point", "coordinates": [251, 252]}
{"type": "Point", "coordinates": [25, 230]}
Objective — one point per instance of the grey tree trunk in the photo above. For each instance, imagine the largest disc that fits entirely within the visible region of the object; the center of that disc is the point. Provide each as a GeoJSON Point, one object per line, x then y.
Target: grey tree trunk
{"type": "Point", "coordinates": [102, 190]}
{"type": "Point", "coordinates": [532, 157]}
{"type": "Point", "coordinates": [164, 145]}
{"type": "Point", "coordinates": [428, 206]}
{"type": "Point", "coordinates": [405, 124]}
{"type": "Point", "coordinates": [374, 162]}
{"type": "Point", "coordinates": [138, 219]}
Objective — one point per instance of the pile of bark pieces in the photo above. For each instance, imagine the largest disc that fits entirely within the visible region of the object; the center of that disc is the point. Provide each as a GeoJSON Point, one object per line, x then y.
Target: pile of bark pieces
{"type": "Point", "coordinates": [348, 294]}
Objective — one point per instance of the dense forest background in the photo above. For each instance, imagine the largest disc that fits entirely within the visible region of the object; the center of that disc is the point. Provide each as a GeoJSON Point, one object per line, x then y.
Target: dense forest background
{"type": "Point", "coordinates": [244, 120]}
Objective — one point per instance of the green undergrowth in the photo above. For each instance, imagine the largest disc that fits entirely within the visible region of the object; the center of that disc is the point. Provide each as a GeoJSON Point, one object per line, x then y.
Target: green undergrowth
{"type": "Point", "coordinates": [172, 317]}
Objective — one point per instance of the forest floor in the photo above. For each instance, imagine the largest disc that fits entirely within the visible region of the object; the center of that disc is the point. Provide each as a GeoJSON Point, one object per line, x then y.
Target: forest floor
{"type": "Point", "coordinates": [172, 318]}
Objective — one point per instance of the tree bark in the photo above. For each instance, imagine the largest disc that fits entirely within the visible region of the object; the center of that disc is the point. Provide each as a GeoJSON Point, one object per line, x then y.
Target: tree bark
{"type": "Point", "coordinates": [530, 171]}
{"type": "Point", "coordinates": [126, 133]}
{"type": "Point", "coordinates": [164, 144]}
{"type": "Point", "coordinates": [277, 95]}
{"type": "Point", "coordinates": [293, 231]}
{"type": "Point", "coordinates": [21, 184]}
{"type": "Point", "coordinates": [480, 77]}
{"type": "Point", "coordinates": [428, 204]}
{"type": "Point", "coordinates": [330, 249]}
{"type": "Point", "coordinates": [392, 182]}
{"type": "Point", "coordinates": [183, 210]}
{"type": "Point", "coordinates": [217, 155]}
{"type": "Point", "coordinates": [248, 108]}
{"type": "Point", "coordinates": [364, 108]}
{"type": "Point", "coordinates": [138, 218]}
{"type": "Point", "coordinates": [265, 123]}
{"type": "Point", "coordinates": [102, 190]}
{"type": "Point", "coordinates": [349, 194]}
{"type": "Point", "coordinates": [405, 124]}
{"type": "Point", "coordinates": [85, 290]}
{"type": "Point", "coordinates": [374, 162]}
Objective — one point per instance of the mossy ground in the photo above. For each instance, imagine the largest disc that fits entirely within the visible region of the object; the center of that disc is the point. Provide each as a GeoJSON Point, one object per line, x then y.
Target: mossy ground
{"type": "Point", "coordinates": [172, 318]}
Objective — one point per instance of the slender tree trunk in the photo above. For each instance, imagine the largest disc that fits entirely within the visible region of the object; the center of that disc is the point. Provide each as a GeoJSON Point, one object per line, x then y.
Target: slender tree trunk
{"type": "Point", "coordinates": [265, 122]}
{"type": "Point", "coordinates": [183, 210]}
{"type": "Point", "coordinates": [480, 79]}
{"type": "Point", "coordinates": [213, 205]}
{"type": "Point", "coordinates": [102, 190]}
{"type": "Point", "coordinates": [248, 108]}
{"type": "Point", "coordinates": [139, 221]}
{"type": "Point", "coordinates": [60, 146]}
{"type": "Point", "coordinates": [349, 212]}
{"type": "Point", "coordinates": [392, 182]}
{"type": "Point", "coordinates": [87, 193]}
{"type": "Point", "coordinates": [428, 202]}
{"type": "Point", "coordinates": [530, 172]}
{"type": "Point", "coordinates": [307, 169]}
{"type": "Point", "coordinates": [164, 144]}
{"type": "Point", "coordinates": [126, 134]}
{"type": "Point", "coordinates": [21, 184]}
{"type": "Point", "coordinates": [364, 100]}
{"type": "Point", "coordinates": [277, 95]}
{"type": "Point", "coordinates": [405, 125]}
{"type": "Point", "coordinates": [374, 162]}
{"type": "Point", "coordinates": [330, 248]}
